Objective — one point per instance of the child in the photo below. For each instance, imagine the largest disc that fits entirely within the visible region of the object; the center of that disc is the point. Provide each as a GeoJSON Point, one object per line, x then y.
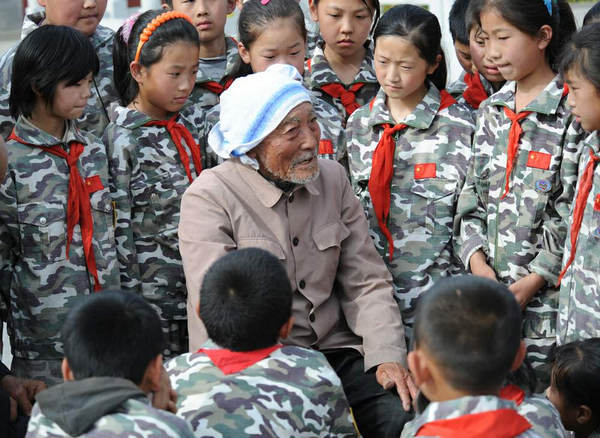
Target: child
{"type": "Point", "coordinates": [579, 308]}
{"type": "Point", "coordinates": [466, 339]}
{"type": "Point", "coordinates": [340, 71]}
{"type": "Point", "coordinates": [154, 158]}
{"type": "Point", "coordinates": [56, 216]}
{"type": "Point", "coordinates": [575, 387]}
{"type": "Point", "coordinates": [112, 369]}
{"type": "Point", "coordinates": [409, 151]}
{"type": "Point", "coordinates": [519, 190]}
{"type": "Point", "coordinates": [219, 58]}
{"type": "Point", "coordinates": [460, 34]}
{"type": "Point", "coordinates": [84, 16]}
{"type": "Point", "coordinates": [243, 382]}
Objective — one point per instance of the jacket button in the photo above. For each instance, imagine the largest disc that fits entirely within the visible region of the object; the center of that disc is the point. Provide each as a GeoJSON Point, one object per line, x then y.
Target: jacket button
{"type": "Point", "coordinates": [295, 241]}
{"type": "Point", "coordinates": [43, 220]}
{"type": "Point", "coordinates": [311, 317]}
{"type": "Point", "coordinates": [301, 284]}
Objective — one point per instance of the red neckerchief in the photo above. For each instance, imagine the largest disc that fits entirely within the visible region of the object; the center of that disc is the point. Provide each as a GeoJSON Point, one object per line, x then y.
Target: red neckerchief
{"type": "Point", "coordinates": [177, 131]}
{"type": "Point", "coordinates": [501, 423]}
{"type": "Point", "coordinates": [346, 95]}
{"type": "Point", "coordinates": [216, 87]}
{"type": "Point", "coordinates": [79, 210]}
{"type": "Point", "coordinates": [580, 203]}
{"type": "Point", "coordinates": [230, 362]}
{"type": "Point", "coordinates": [475, 92]}
{"type": "Point", "coordinates": [513, 393]}
{"type": "Point", "coordinates": [382, 171]}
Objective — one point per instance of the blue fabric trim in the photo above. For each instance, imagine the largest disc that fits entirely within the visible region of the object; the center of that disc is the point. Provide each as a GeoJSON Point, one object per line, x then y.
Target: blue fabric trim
{"type": "Point", "coordinates": [548, 4]}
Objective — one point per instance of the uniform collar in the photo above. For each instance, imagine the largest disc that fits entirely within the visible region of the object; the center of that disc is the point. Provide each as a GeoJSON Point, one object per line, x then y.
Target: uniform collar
{"type": "Point", "coordinates": [35, 136]}
{"type": "Point", "coordinates": [233, 61]}
{"type": "Point", "coordinates": [547, 102]}
{"type": "Point", "coordinates": [128, 118]}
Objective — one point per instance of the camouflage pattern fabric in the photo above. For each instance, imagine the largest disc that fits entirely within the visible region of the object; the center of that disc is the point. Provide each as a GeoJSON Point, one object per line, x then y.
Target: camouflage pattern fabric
{"type": "Point", "coordinates": [458, 87]}
{"type": "Point", "coordinates": [422, 210]}
{"type": "Point", "coordinates": [524, 232]}
{"type": "Point", "coordinates": [292, 392]}
{"type": "Point", "coordinates": [579, 303]}
{"type": "Point", "coordinates": [458, 408]}
{"type": "Point", "coordinates": [46, 283]}
{"type": "Point", "coordinates": [147, 182]}
{"type": "Point", "coordinates": [47, 370]}
{"type": "Point", "coordinates": [95, 117]}
{"type": "Point", "coordinates": [318, 72]}
{"type": "Point", "coordinates": [543, 416]}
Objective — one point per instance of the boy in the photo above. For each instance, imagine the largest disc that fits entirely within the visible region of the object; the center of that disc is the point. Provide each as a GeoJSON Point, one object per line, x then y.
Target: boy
{"type": "Point", "coordinates": [84, 16]}
{"type": "Point", "coordinates": [243, 382]}
{"type": "Point", "coordinates": [219, 58]}
{"type": "Point", "coordinates": [460, 34]}
{"type": "Point", "coordinates": [466, 340]}
{"type": "Point", "coordinates": [113, 363]}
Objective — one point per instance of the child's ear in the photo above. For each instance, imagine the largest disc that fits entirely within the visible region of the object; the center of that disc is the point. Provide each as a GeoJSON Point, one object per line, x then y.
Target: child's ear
{"type": "Point", "coordinates": [312, 8]}
{"type": "Point", "coordinates": [166, 7]}
{"type": "Point", "coordinates": [286, 328]}
{"type": "Point", "coordinates": [244, 54]}
{"type": "Point", "coordinates": [519, 357]}
{"type": "Point", "coordinates": [136, 71]}
{"type": "Point", "coordinates": [231, 6]}
{"type": "Point", "coordinates": [584, 414]}
{"type": "Point", "coordinates": [433, 67]}
{"type": "Point", "coordinates": [42, 3]}
{"type": "Point", "coordinates": [66, 370]}
{"type": "Point", "coordinates": [545, 36]}
{"type": "Point", "coordinates": [417, 364]}
{"type": "Point", "coordinates": [151, 380]}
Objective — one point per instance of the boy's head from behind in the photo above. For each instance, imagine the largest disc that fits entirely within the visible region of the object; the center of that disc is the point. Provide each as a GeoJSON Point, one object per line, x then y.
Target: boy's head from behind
{"type": "Point", "coordinates": [209, 17]}
{"type": "Point", "coordinates": [83, 15]}
{"type": "Point", "coordinates": [246, 300]}
{"type": "Point", "coordinates": [466, 338]}
{"type": "Point", "coordinates": [113, 334]}
{"type": "Point", "coordinates": [460, 33]}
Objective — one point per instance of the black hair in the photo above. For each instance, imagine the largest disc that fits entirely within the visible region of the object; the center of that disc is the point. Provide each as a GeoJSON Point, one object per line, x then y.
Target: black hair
{"type": "Point", "coordinates": [458, 23]}
{"type": "Point", "coordinates": [471, 327]}
{"type": "Point", "coordinates": [112, 334]}
{"type": "Point", "coordinates": [581, 54]}
{"type": "Point", "coordinates": [246, 298]}
{"type": "Point", "coordinates": [43, 60]}
{"type": "Point", "coordinates": [529, 17]}
{"type": "Point", "coordinates": [170, 32]}
{"type": "Point", "coordinates": [593, 15]}
{"type": "Point", "coordinates": [374, 8]}
{"type": "Point", "coordinates": [422, 29]}
{"type": "Point", "coordinates": [575, 373]}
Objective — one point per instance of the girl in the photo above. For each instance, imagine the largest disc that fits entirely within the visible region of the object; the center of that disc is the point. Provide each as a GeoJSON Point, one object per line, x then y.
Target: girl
{"type": "Point", "coordinates": [56, 232]}
{"type": "Point", "coordinates": [510, 212]}
{"type": "Point", "coordinates": [340, 71]}
{"type": "Point", "coordinates": [574, 387]}
{"type": "Point", "coordinates": [579, 306]}
{"type": "Point", "coordinates": [408, 152]}
{"type": "Point", "coordinates": [154, 158]}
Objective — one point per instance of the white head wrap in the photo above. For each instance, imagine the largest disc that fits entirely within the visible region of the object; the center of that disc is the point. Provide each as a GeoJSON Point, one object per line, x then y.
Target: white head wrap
{"type": "Point", "coordinates": [252, 107]}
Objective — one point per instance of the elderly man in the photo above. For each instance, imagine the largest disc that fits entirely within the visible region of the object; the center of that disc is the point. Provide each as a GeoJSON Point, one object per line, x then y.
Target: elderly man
{"type": "Point", "coordinates": [275, 194]}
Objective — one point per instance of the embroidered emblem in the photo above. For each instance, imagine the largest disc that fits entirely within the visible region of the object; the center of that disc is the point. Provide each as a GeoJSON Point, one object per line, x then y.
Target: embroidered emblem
{"type": "Point", "coordinates": [543, 185]}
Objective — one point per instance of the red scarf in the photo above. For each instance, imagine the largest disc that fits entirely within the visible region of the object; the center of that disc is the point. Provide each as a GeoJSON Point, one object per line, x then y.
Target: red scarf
{"type": "Point", "coordinates": [177, 131]}
{"type": "Point", "coordinates": [513, 393]}
{"type": "Point", "coordinates": [475, 92]}
{"type": "Point", "coordinates": [502, 423]}
{"type": "Point", "coordinates": [79, 210]}
{"type": "Point", "coordinates": [230, 362]}
{"type": "Point", "coordinates": [579, 209]}
{"type": "Point", "coordinates": [346, 96]}
{"type": "Point", "coordinates": [215, 87]}
{"type": "Point", "coordinates": [382, 171]}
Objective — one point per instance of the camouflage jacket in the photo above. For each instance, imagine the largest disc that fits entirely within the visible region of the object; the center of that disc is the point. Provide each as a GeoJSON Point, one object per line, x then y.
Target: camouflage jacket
{"type": "Point", "coordinates": [458, 87]}
{"type": "Point", "coordinates": [579, 307]}
{"type": "Point", "coordinates": [542, 415]}
{"type": "Point", "coordinates": [318, 72]}
{"type": "Point", "coordinates": [202, 96]}
{"type": "Point", "coordinates": [460, 407]}
{"type": "Point", "coordinates": [422, 209]}
{"type": "Point", "coordinates": [293, 392]}
{"type": "Point", "coordinates": [525, 231]}
{"type": "Point", "coordinates": [45, 282]}
{"type": "Point", "coordinates": [147, 182]}
{"type": "Point", "coordinates": [95, 116]}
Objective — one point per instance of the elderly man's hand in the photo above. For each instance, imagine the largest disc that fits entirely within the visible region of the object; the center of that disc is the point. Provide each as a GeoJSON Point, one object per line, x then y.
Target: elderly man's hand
{"type": "Point", "coordinates": [391, 374]}
{"type": "Point", "coordinates": [165, 398]}
{"type": "Point", "coordinates": [23, 391]}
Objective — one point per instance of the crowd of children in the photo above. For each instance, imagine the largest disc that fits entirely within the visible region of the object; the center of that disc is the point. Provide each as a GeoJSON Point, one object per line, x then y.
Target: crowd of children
{"type": "Point", "coordinates": [492, 175]}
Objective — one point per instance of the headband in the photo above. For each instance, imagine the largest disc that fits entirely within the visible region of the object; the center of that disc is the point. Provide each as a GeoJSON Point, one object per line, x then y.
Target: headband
{"type": "Point", "coordinates": [153, 25]}
{"type": "Point", "coordinates": [548, 4]}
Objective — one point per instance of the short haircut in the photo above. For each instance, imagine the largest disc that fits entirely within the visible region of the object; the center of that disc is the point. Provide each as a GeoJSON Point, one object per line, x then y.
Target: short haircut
{"type": "Point", "coordinates": [593, 15]}
{"type": "Point", "coordinates": [575, 373]}
{"type": "Point", "coordinates": [112, 334]}
{"type": "Point", "coordinates": [458, 22]}
{"type": "Point", "coordinates": [246, 298]}
{"type": "Point", "coordinates": [581, 54]}
{"type": "Point", "coordinates": [471, 327]}
{"type": "Point", "coordinates": [45, 58]}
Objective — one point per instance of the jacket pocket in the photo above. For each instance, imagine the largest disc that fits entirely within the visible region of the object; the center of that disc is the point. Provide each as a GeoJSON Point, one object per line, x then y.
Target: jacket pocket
{"type": "Point", "coordinates": [434, 205]}
{"type": "Point", "coordinates": [263, 243]}
{"type": "Point", "coordinates": [43, 231]}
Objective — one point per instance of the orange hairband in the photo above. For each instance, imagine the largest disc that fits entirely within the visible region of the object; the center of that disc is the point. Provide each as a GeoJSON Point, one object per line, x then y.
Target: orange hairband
{"type": "Point", "coordinates": [153, 25]}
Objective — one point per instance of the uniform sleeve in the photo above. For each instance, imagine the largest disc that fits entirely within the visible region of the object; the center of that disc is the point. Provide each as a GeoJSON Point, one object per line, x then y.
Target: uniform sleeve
{"type": "Point", "coordinates": [8, 241]}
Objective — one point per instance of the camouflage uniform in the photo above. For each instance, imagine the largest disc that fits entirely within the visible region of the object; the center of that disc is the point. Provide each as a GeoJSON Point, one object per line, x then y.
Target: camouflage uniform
{"type": "Point", "coordinates": [46, 283]}
{"type": "Point", "coordinates": [543, 416]}
{"type": "Point", "coordinates": [460, 407]}
{"type": "Point", "coordinates": [422, 210]}
{"type": "Point", "coordinates": [292, 392]}
{"type": "Point", "coordinates": [579, 305]}
{"type": "Point", "coordinates": [202, 96]}
{"type": "Point", "coordinates": [147, 181]}
{"type": "Point", "coordinates": [525, 231]}
{"type": "Point", "coordinates": [95, 117]}
{"type": "Point", "coordinates": [458, 87]}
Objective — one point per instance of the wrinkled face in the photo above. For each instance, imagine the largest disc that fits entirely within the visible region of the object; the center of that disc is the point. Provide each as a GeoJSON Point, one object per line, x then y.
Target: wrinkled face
{"type": "Point", "coordinates": [289, 153]}
{"type": "Point", "coordinates": [483, 64]}
{"type": "Point", "coordinates": [208, 16]}
{"type": "Point", "coordinates": [70, 100]}
{"type": "Point", "coordinates": [463, 54]}
{"type": "Point", "coordinates": [280, 42]}
{"type": "Point", "coordinates": [584, 100]}
{"type": "Point", "coordinates": [83, 15]}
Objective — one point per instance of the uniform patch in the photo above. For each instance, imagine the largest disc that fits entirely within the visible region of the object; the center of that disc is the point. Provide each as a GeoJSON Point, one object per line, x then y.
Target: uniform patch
{"type": "Point", "coordinates": [539, 160]}
{"type": "Point", "coordinates": [596, 233]}
{"type": "Point", "coordinates": [325, 147]}
{"type": "Point", "coordinates": [597, 203]}
{"type": "Point", "coordinates": [425, 170]}
{"type": "Point", "coordinates": [543, 185]}
{"type": "Point", "coordinates": [93, 184]}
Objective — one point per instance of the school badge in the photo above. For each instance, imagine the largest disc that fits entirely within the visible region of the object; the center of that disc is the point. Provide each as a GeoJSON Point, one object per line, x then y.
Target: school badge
{"type": "Point", "coordinates": [543, 185]}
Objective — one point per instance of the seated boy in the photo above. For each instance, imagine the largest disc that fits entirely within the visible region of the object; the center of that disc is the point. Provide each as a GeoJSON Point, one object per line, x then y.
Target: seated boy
{"type": "Point", "coordinates": [243, 382]}
{"type": "Point", "coordinates": [466, 339]}
{"type": "Point", "coordinates": [113, 363]}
